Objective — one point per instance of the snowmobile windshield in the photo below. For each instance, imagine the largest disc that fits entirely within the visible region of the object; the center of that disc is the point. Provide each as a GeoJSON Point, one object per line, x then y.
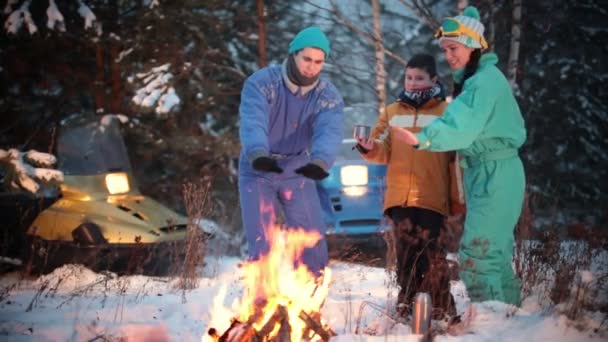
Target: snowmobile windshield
{"type": "Point", "coordinates": [92, 149]}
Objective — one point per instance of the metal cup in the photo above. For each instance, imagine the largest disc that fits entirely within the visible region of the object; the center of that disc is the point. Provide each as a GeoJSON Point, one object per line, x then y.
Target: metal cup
{"type": "Point", "coordinates": [421, 313]}
{"type": "Point", "coordinates": [361, 132]}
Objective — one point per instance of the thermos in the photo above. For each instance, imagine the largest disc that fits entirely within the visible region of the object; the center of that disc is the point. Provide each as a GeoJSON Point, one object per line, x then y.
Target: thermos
{"type": "Point", "coordinates": [421, 314]}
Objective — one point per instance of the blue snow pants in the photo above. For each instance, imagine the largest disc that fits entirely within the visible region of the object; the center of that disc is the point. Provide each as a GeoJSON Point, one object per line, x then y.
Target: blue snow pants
{"type": "Point", "coordinates": [292, 195]}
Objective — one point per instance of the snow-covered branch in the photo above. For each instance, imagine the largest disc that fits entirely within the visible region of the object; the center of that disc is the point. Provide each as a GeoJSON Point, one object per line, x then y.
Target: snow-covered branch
{"type": "Point", "coordinates": [157, 93]}
{"type": "Point", "coordinates": [27, 170]}
{"type": "Point", "coordinates": [55, 19]}
{"type": "Point", "coordinates": [8, 8]}
{"type": "Point", "coordinates": [107, 119]}
{"type": "Point", "coordinates": [16, 19]}
{"type": "Point", "coordinates": [151, 3]}
{"type": "Point", "coordinates": [90, 20]}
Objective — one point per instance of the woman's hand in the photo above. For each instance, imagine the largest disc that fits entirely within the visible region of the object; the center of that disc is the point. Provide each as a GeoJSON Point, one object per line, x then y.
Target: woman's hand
{"type": "Point", "coordinates": [366, 144]}
{"type": "Point", "coordinates": [404, 135]}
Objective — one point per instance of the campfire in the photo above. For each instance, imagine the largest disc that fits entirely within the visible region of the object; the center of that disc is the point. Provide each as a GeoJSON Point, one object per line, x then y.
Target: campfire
{"type": "Point", "coordinates": [282, 299]}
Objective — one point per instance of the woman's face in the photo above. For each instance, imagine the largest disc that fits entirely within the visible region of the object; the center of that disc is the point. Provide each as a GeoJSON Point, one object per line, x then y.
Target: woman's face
{"type": "Point", "coordinates": [418, 79]}
{"type": "Point", "coordinates": [310, 61]}
{"type": "Point", "coordinates": [456, 54]}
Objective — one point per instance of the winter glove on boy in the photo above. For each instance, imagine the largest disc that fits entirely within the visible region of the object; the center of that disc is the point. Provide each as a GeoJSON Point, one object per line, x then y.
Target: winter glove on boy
{"type": "Point", "coordinates": [266, 164]}
{"type": "Point", "coordinates": [361, 149]}
{"type": "Point", "coordinates": [364, 146]}
{"type": "Point", "coordinates": [312, 171]}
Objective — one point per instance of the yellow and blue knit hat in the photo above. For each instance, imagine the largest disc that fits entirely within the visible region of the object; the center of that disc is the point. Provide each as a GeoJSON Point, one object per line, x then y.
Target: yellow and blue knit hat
{"type": "Point", "coordinates": [310, 37]}
{"type": "Point", "coordinates": [471, 20]}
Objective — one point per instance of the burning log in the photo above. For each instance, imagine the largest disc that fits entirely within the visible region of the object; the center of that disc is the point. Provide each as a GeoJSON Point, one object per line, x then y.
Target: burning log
{"type": "Point", "coordinates": [283, 297]}
{"type": "Point", "coordinates": [284, 334]}
{"type": "Point", "coordinates": [237, 332]}
{"type": "Point", "coordinates": [279, 317]}
{"type": "Point", "coordinates": [245, 332]}
{"type": "Point", "coordinates": [314, 322]}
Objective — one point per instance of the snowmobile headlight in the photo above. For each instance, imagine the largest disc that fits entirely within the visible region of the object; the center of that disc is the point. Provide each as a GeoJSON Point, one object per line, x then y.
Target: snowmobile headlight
{"type": "Point", "coordinates": [353, 175]}
{"type": "Point", "coordinates": [355, 191]}
{"type": "Point", "coordinates": [117, 183]}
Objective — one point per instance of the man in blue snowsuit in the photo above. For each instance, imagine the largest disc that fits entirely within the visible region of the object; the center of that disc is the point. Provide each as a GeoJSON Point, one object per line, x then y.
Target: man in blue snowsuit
{"type": "Point", "coordinates": [291, 127]}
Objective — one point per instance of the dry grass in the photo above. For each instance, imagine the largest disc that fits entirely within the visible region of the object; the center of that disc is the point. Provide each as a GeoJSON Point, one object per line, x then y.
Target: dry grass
{"type": "Point", "coordinates": [563, 266]}
{"type": "Point", "coordinates": [196, 197]}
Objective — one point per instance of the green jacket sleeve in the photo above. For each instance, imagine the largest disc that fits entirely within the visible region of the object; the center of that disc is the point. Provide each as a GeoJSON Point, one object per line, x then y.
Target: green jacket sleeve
{"type": "Point", "coordinates": [464, 118]}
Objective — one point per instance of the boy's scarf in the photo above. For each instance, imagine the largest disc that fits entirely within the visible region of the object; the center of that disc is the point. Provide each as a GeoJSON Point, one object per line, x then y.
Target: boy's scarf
{"type": "Point", "coordinates": [417, 98]}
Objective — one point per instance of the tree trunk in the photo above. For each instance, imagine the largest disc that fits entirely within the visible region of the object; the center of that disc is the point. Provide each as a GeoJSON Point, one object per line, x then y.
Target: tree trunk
{"type": "Point", "coordinates": [261, 34]}
{"type": "Point", "coordinates": [117, 89]}
{"type": "Point", "coordinates": [380, 73]}
{"type": "Point", "coordinates": [99, 76]}
{"type": "Point", "coordinates": [491, 28]}
{"type": "Point", "coordinates": [114, 48]}
{"type": "Point", "coordinates": [514, 46]}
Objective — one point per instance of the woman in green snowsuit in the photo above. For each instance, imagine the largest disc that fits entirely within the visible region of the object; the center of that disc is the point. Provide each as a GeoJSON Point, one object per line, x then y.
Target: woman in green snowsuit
{"type": "Point", "coordinates": [484, 124]}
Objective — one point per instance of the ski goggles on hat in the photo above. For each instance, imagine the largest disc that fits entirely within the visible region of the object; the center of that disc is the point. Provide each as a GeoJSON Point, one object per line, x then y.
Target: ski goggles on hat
{"type": "Point", "coordinates": [452, 28]}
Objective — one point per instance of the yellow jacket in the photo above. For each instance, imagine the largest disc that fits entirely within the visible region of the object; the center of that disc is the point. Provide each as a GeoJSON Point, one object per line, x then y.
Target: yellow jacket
{"type": "Point", "coordinates": [416, 178]}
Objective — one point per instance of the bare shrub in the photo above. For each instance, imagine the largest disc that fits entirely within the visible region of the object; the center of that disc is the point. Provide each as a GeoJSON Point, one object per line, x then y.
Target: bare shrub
{"type": "Point", "coordinates": [564, 266]}
{"type": "Point", "coordinates": [525, 259]}
{"type": "Point", "coordinates": [451, 234]}
{"type": "Point", "coordinates": [196, 198]}
{"type": "Point", "coordinates": [391, 253]}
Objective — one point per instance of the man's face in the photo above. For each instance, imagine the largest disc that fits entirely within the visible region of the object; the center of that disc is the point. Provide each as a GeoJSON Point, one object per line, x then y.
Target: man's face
{"type": "Point", "coordinates": [310, 61]}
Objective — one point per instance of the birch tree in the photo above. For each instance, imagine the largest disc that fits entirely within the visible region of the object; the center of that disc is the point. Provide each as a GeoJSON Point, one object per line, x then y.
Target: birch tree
{"type": "Point", "coordinates": [379, 48]}
{"type": "Point", "coordinates": [515, 41]}
{"type": "Point", "coordinates": [490, 32]}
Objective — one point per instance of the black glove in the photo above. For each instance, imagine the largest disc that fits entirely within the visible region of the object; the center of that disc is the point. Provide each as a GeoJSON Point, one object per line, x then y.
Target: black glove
{"type": "Point", "coordinates": [312, 171]}
{"type": "Point", "coordinates": [266, 164]}
{"type": "Point", "coordinates": [361, 149]}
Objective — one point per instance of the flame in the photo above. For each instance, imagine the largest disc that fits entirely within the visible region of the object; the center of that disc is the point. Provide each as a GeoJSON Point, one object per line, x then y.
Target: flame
{"type": "Point", "coordinates": [280, 278]}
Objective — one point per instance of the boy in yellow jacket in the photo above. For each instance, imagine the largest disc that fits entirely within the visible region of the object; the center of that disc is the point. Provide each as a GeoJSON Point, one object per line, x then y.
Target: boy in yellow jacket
{"type": "Point", "coordinates": [421, 187]}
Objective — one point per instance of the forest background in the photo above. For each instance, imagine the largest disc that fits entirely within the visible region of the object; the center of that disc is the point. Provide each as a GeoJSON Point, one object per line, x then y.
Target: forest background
{"type": "Point", "coordinates": [176, 68]}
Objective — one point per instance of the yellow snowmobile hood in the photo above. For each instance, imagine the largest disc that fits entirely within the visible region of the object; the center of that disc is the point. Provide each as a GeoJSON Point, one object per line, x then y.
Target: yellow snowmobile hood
{"type": "Point", "coordinates": [128, 217]}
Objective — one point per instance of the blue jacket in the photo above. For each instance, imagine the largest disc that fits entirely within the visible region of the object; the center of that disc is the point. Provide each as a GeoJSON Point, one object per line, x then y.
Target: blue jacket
{"type": "Point", "coordinates": [278, 117]}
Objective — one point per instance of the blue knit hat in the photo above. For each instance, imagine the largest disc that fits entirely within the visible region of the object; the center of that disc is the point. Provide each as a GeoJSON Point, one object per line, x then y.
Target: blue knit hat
{"type": "Point", "coordinates": [310, 37]}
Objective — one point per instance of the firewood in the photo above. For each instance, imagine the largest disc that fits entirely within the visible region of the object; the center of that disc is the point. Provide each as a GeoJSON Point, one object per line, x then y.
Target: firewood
{"type": "Point", "coordinates": [284, 334]}
{"type": "Point", "coordinates": [316, 326]}
{"type": "Point", "coordinates": [276, 317]}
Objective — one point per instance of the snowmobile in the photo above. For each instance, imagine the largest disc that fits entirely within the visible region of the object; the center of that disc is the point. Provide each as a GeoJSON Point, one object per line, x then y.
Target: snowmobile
{"type": "Point", "coordinates": [97, 217]}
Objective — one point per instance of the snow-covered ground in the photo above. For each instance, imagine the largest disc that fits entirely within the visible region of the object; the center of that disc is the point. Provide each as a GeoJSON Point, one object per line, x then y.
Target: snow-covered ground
{"type": "Point", "coordinates": [75, 304]}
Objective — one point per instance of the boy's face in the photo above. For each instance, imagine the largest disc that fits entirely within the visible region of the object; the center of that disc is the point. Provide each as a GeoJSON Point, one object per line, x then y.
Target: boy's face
{"type": "Point", "coordinates": [310, 61]}
{"type": "Point", "coordinates": [418, 79]}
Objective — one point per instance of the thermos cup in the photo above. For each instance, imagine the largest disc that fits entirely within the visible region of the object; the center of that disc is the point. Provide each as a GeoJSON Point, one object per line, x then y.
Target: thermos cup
{"type": "Point", "coordinates": [361, 132]}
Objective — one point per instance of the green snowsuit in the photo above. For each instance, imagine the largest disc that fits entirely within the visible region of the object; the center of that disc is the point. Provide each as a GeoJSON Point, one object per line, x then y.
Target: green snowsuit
{"type": "Point", "coordinates": [484, 124]}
